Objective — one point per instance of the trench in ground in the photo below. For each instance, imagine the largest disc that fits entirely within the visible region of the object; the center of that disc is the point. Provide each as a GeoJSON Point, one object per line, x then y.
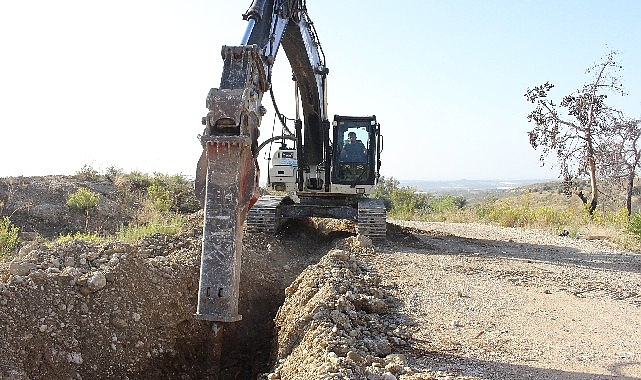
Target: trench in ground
{"type": "Point", "coordinates": [245, 349]}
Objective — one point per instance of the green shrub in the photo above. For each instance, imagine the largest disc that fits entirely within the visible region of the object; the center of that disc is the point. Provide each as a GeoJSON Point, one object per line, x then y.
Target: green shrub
{"type": "Point", "coordinates": [634, 225]}
{"type": "Point", "coordinates": [524, 214]}
{"type": "Point", "coordinates": [617, 218]}
{"type": "Point", "coordinates": [88, 173]}
{"type": "Point", "coordinates": [383, 190]}
{"type": "Point", "coordinates": [447, 203]}
{"type": "Point", "coordinates": [139, 180]}
{"type": "Point", "coordinates": [170, 225]}
{"type": "Point", "coordinates": [83, 236]}
{"type": "Point", "coordinates": [159, 197]}
{"type": "Point", "coordinates": [408, 203]}
{"type": "Point", "coordinates": [8, 236]}
{"type": "Point", "coordinates": [83, 199]}
{"type": "Point", "coordinates": [112, 173]}
{"type": "Point", "coordinates": [181, 190]}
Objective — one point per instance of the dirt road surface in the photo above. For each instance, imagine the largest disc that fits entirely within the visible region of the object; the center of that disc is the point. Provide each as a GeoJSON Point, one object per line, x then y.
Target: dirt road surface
{"type": "Point", "coordinates": [503, 303]}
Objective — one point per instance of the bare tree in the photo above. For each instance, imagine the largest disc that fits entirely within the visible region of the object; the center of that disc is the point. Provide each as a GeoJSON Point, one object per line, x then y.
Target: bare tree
{"type": "Point", "coordinates": [575, 139]}
{"type": "Point", "coordinates": [622, 155]}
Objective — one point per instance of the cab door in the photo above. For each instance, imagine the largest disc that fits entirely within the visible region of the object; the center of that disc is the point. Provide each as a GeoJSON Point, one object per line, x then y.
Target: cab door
{"type": "Point", "coordinates": [355, 158]}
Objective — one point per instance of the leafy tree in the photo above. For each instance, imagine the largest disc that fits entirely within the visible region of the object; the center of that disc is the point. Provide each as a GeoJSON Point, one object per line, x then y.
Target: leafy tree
{"type": "Point", "coordinates": [576, 139]}
{"type": "Point", "coordinates": [83, 199]}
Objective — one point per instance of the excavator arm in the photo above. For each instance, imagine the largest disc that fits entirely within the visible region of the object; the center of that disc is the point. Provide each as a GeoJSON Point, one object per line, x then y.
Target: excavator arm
{"type": "Point", "coordinates": [227, 173]}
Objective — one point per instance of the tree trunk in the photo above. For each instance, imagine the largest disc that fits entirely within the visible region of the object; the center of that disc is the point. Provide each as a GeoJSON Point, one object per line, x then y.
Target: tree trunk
{"type": "Point", "coordinates": [594, 197]}
{"type": "Point", "coordinates": [579, 193]}
{"type": "Point", "coordinates": [628, 193]}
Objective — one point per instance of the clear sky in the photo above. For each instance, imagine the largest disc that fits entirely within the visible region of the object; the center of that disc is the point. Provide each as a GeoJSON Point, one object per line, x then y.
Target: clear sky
{"type": "Point", "coordinates": [123, 83]}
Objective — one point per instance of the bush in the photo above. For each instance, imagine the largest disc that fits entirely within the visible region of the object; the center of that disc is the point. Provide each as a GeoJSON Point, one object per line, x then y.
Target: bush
{"type": "Point", "coordinates": [383, 191]}
{"type": "Point", "coordinates": [524, 214]}
{"type": "Point", "coordinates": [139, 180]}
{"type": "Point", "coordinates": [83, 236]}
{"type": "Point", "coordinates": [83, 199]}
{"type": "Point", "coordinates": [181, 192]}
{"type": "Point", "coordinates": [408, 203]}
{"type": "Point", "coordinates": [634, 226]}
{"type": "Point", "coordinates": [447, 203]}
{"type": "Point", "coordinates": [159, 197]}
{"type": "Point", "coordinates": [112, 173]}
{"type": "Point", "coordinates": [617, 218]}
{"type": "Point", "coordinates": [88, 173]}
{"type": "Point", "coordinates": [170, 225]}
{"type": "Point", "coordinates": [8, 236]}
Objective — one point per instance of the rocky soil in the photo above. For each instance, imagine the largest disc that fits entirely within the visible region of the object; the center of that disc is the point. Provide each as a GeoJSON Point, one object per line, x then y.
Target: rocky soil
{"type": "Point", "coordinates": [437, 301]}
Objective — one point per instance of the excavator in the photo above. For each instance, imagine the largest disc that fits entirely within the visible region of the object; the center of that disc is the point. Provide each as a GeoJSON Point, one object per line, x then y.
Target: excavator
{"type": "Point", "coordinates": [323, 169]}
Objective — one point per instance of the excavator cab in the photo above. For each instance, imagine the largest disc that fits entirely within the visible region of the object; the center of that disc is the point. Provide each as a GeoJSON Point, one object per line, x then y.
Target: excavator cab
{"type": "Point", "coordinates": [356, 150]}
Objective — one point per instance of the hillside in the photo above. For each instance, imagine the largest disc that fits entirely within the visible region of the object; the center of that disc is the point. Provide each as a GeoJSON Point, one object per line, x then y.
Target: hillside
{"type": "Point", "coordinates": [437, 301]}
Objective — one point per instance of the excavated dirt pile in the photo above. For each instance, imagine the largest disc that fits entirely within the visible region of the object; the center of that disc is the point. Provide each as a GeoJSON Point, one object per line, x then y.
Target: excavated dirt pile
{"type": "Point", "coordinates": [116, 310]}
{"type": "Point", "coordinates": [335, 323]}
{"type": "Point", "coordinates": [82, 310]}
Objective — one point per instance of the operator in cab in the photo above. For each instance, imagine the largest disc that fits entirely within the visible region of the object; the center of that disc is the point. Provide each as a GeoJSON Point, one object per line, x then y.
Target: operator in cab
{"type": "Point", "coordinates": [353, 150]}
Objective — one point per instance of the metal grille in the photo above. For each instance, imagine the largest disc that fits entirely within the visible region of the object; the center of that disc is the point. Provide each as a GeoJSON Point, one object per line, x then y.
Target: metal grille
{"type": "Point", "coordinates": [371, 220]}
{"type": "Point", "coordinates": [264, 215]}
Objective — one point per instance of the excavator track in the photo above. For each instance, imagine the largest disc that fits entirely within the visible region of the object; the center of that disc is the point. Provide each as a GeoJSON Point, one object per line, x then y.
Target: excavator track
{"type": "Point", "coordinates": [264, 215]}
{"type": "Point", "coordinates": [371, 220]}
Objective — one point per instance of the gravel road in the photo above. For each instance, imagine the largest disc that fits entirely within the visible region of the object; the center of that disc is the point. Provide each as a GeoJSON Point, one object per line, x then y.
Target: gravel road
{"type": "Point", "coordinates": [504, 303]}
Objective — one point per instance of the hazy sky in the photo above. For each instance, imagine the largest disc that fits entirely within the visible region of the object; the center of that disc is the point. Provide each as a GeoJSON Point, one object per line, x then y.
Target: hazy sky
{"type": "Point", "coordinates": [123, 83]}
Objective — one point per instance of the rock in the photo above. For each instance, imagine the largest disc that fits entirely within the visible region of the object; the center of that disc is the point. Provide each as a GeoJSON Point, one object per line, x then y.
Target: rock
{"type": "Point", "coordinates": [47, 212]}
{"type": "Point", "coordinates": [96, 282]}
{"type": "Point", "coordinates": [70, 261]}
{"type": "Point", "coordinates": [388, 376]}
{"type": "Point", "coordinates": [54, 262]}
{"type": "Point", "coordinates": [91, 256]}
{"type": "Point", "coordinates": [340, 319]}
{"type": "Point", "coordinates": [29, 247]}
{"type": "Point", "coordinates": [109, 276]}
{"type": "Point", "coordinates": [75, 358]}
{"type": "Point", "coordinates": [364, 241]}
{"type": "Point", "coordinates": [332, 357]}
{"type": "Point", "coordinates": [340, 255]}
{"type": "Point", "coordinates": [118, 323]}
{"type": "Point", "coordinates": [374, 305]}
{"type": "Point", "coordinates": [20, 269]}
{"type": "Point", "coordinates": [396, 358]}
{"type": "Point", "coordinates": [354, 356]}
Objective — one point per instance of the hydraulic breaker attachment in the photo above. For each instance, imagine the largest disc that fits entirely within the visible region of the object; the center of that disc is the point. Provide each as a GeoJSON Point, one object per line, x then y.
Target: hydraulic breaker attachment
{"type": "Point", "coordinates": [229, 190]}
{"type": "Point", "coordinates": [227, 178]}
